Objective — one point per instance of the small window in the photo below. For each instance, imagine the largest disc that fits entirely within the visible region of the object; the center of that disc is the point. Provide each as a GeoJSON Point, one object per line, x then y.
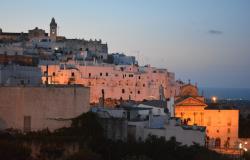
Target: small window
{"type": "Point", "coordinates": [100, 74]}
{"type": "Point", "coordinates": [139, 92]}
{"type": "Point", "coordinates": [53, 74]}
{"type": "Point", "coordinates": [143, 85]}
{"type": "Point", "coordinates": [61, 66]}
{"type": "Point", "coordinates": [107, 74]}
{"type": "Point", "coordinates": [89, 75]}
{"type": "Point", "coordinates": [139, 77]}
{"type": "Point", "coordinates": [72, 74]}
{"type": "Point", "coordinates": [22, 82]}
{"type": "Point", "coordinates": [123, 90]}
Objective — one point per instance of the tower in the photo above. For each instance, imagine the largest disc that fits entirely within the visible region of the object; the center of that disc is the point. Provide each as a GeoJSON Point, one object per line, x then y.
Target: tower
{"type": "Point", "coordinates": [53, 29]}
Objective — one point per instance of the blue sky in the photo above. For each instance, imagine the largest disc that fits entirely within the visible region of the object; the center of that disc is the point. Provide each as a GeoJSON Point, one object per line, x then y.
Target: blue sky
{"type": "Point", "coordinates": [207, 41]}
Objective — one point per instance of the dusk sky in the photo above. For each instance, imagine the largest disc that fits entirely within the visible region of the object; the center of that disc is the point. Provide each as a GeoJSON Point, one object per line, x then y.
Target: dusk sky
{"type": "Point", "coordinates": [205, 41]}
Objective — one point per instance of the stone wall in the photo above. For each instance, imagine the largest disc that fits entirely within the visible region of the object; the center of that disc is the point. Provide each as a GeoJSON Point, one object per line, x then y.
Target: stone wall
{"type": "Point", "coordinates": [37, 108]}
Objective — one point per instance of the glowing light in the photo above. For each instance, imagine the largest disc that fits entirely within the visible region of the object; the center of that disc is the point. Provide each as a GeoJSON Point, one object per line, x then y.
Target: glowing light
{"type": "Point", "coordinates": [214, 99]}
{"type": "Point", "coordinates": [240, 145]}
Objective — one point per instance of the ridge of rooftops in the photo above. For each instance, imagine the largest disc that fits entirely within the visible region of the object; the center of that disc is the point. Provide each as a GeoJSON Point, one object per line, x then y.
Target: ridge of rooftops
{"type": "Point", "coordinates": [46, 86]}
{"type": "Point", "coordinates": [221, 106]}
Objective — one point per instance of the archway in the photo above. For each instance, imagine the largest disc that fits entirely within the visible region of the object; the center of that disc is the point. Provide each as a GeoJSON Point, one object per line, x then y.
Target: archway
{"type": "Point", "coordinates": [217, 143]}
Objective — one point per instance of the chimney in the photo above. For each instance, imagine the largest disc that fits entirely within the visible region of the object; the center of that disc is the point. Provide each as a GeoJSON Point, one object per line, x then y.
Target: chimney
{"type": "Point", "coordinates": [47, 75]}
{"type": "Point", "coordinates": [103, 98]}
{"type": "Point", "coordinates": [150, 118]}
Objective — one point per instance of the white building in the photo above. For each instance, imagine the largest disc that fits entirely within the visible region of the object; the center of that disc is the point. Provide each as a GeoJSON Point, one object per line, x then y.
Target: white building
{"type": "Point", "coordinates": [120, 82]}
{"type": "Point", "coordinates": [14, 74]}
{"type": "Point", "coordinates": [161, 125]}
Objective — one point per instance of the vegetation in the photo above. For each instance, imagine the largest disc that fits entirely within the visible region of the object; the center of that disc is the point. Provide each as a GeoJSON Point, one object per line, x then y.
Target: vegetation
{"type": "Point", "coordinates": [13, 151]}
{"type": "Point", "coordinates": [244, 129]}
{"type": "Point", "coordinates": [88, 134]}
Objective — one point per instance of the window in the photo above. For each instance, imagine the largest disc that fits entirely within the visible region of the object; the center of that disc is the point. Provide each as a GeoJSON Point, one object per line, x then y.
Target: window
{"type": "Point", "coordinates": [123, 90]}
{"type": "Point", "coordinates": [209, 121]}
{"type": "Point", "coordinates": [100, 74]}
{"type": "Point", "coordinates": [89, 75]}
{"type": "Point", "coordinates": [139, 92]}
{"type": "Point", "coordinates": [107, 74]}
{"type": "Point", "coordinates": [72, 74]}
{"type": "Point", "coordinates": [27, 123]}
{"type": "Point", "coordinates": [228, 130]}
{"type": "Point", "coordinates": [143, 85]}
{"type": "Point", "coordinates": [139, 77]}
{"type": "Point", "coordinates": [22, 82]}
{"type": "Point", "coordinates": [61, 66]}
{"type": "Point", "coordinates": [53, 74]}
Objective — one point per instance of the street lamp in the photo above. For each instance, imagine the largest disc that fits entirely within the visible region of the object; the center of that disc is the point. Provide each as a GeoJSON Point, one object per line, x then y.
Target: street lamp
{"type": "Point", "coordinates": [214, 99]}
{"type": "Point", "coordinates": [242, 148]}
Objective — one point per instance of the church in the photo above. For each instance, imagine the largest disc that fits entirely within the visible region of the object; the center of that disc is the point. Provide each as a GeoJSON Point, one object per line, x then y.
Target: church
{"type": "Point", "coordinates": [221, 121]}
{"type": "Point", "coordinates": [33, 33]}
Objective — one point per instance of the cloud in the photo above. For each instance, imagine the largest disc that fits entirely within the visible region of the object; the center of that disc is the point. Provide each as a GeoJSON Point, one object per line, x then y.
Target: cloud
{"type": "Point", "coordinates": [215, 32]}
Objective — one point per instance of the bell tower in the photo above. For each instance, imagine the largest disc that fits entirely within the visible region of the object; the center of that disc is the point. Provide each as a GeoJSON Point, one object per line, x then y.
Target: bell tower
{"type": "Point", "coordinates": [53, 29]}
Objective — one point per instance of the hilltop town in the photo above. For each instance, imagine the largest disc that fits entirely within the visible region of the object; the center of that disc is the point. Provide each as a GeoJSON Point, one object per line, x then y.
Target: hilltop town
{"type": "Point", "coordinates": [47, 80]}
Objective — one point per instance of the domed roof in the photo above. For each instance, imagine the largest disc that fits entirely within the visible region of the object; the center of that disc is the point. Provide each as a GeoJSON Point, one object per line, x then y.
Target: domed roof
{"type": "Point", "coordinates": [189, 90]}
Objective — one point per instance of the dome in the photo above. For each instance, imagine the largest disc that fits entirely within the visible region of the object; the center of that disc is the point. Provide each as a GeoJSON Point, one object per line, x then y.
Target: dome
{"type": "Point", "coordinates": [189, 90]}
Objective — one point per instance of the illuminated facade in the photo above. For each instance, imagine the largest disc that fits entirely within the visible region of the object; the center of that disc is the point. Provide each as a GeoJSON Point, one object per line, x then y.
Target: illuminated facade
{"type": "Point", "coordinates": [119, 82]}
{"type": "Point", "coordinates": [221, 122]}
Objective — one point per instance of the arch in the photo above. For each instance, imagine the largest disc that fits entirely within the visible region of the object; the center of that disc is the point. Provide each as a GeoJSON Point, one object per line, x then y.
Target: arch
{"type": "Point", "coordinates": [217, 143]}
